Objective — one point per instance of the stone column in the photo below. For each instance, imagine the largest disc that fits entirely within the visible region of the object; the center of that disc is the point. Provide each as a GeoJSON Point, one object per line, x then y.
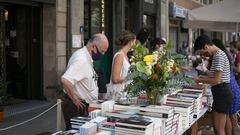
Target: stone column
{"type": "Point", "coordinates": [49, 49]}
{"type": "Point", "coordinates": [61, 26]}
{"type": "Point", "coordinates": [77, 18]}
{"type": "Point", "coordinates": [164, 19]}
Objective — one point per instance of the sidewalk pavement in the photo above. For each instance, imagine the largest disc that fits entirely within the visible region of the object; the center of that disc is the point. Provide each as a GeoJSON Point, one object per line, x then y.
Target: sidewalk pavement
{"type": "Point", "coordinates": [43, 125]}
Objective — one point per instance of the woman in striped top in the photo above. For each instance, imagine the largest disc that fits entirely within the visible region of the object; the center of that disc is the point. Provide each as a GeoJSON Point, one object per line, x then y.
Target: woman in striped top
{"type": "Point", "coordinates": [218, 78]}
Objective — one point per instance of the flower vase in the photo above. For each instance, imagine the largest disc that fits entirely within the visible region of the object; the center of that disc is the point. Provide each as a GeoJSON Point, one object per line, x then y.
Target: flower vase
{"type": "Point", "coordinates": [153, 98]}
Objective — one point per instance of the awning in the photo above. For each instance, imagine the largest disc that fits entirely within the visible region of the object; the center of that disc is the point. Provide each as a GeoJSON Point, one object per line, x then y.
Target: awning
{"type": "Point", "coordinates": [222, 16]}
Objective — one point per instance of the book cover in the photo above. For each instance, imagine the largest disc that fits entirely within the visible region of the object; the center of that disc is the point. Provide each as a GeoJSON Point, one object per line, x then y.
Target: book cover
{"type": "Point", "coordinates": [139, 122]}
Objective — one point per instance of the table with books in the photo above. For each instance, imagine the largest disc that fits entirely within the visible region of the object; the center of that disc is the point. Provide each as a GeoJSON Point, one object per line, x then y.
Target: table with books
{"type": "Point", "coordinates": [178, 113]}
{"type": "Point", "coordinates": [193, 126]}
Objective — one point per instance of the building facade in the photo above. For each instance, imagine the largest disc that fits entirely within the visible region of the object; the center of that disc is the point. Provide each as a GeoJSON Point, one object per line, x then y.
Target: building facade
{"type": "Point", "coordinates": [39, 36]}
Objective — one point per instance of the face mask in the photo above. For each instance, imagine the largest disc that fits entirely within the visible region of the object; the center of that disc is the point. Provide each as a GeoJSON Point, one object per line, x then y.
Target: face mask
{"type": "Point", "coordinates": [97, 56]}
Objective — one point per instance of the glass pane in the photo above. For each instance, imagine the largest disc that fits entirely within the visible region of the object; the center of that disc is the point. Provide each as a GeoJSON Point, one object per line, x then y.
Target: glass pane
{"type": "Point", "coordinates": [96, 16]}
{"type": "Point", "coordinates": [149, 22]}
{"type": "Point", "coordinates": [86, 20]}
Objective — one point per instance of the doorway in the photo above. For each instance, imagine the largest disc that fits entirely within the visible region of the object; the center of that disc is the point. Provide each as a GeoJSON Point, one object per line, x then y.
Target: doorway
{"type": "Point", "coordinates": [22, 45]}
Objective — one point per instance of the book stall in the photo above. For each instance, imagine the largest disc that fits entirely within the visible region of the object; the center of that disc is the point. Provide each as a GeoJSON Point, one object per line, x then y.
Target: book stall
{"type": "Point", "coordinates": [157, 99]}
{"type": "Point", "coordinates": [177, 113]}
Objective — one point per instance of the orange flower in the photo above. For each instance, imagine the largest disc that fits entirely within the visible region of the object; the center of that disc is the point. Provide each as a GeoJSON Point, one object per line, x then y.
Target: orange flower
{"type": "Point", "coordinates": [154, 76]}
{"type": "Point", "coordinates": [157, 67]}
{"type": "Point", "coordinates": [174, 69]}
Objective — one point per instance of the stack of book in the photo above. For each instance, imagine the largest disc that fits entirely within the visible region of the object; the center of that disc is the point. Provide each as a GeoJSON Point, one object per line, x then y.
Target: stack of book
{"type": "Point", "coordinates": [170, 125]}
{"type": "Point", "coordinates": [88, 128]}
{"type": "Point", "coordinates": [157, 111]}
{"type": "Point", "coordinates": [77, 122]}
{"type": "Point", "coordinates": [95, 113]}
{"type": "Point", "coordinates": [186, 111]}
{"type": "Point", "coordinates": [125, 107]}
{"type": "Point", "coordinates": [176, 125]}
{"type": "Point", "coordinates": [99, 120]}
{"type": "Point", "coordinates": [175, 99]}
{"type": "Point", "coordinates": [197, 94]}
{"type": "Point", "coordinates": [137, 126]}
{"type": "Point", "coordinates": [165, 113]}
{"type": "Point", "coordinates": [107, 106]}
{"type": "Point", "coordinates": [108, 126]}
{"type": "Point", "coordinates": [120, 114]}
{"type": "Point", "coordinates": [104, 133]}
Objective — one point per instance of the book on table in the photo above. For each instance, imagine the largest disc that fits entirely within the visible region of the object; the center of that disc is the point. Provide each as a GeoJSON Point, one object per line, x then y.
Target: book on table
{"type": "Point", "coordinates": [120, 114]}
{"type": "Point", "coordinates": [158, 109]}
{"type": "Point", "coordinates": [138, 122]}
{"type": "Point", "coordinates": [189, 94]}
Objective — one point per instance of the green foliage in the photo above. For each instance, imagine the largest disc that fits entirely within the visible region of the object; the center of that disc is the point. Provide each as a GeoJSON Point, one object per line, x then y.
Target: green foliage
{"type": "Point", "coordinates": [169, 46]}
{"type": "Point", "coordinates": [196, 62]}
{"type": "Point", "coordinates": [180, 59]}
{"type": "Point", "coordinates": [151, 72]}
{"type": "Point", "coordinates": [139, 52]}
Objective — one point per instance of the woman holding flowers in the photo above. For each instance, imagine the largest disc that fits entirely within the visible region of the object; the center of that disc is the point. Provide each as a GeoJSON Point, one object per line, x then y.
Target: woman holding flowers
{"type": "Point", "coordinates": [120, 65]}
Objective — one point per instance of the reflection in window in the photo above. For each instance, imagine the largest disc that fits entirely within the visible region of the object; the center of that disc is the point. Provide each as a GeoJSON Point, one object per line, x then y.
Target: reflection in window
{"type": "Point", "coordinates": [93, 17]}
{"type": "Point", "coordinates": [149, 22]}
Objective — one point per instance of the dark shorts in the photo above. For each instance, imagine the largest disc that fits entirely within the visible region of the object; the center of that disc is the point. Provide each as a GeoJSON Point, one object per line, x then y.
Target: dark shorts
{"type": "Point", "coordinates": [222, 97]}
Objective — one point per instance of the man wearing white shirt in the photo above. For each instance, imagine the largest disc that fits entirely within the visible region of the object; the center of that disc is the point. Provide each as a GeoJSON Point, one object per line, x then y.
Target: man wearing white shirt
{"type": "Point", "coordinates": [80, 80]}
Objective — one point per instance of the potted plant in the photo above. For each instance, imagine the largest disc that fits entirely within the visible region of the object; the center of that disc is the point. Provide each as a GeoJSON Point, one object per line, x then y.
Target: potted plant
{"type": "Point", "coordinates": [3, 98]}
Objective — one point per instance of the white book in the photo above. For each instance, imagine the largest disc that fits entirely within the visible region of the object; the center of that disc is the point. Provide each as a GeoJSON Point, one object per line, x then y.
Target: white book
{"type": "Point", "coordinates": [133, 125]}
{"type": "Point", "coordinates": [194, 90]}
{"type": "Point", "coordinates": [158, 115]}
{"type": "Point", "coordinates": [129, 130]}
{"type": "Point", "coordinates": [158, 109]}
{"type": "Point", "coordinates": [178, 102]}
{"type": "Point", "coordinates": [124, 107]}
{"type": "Point", "coordinates": [189, 94]}
{"type": "Point", "coordinates": [75, 126]}
{"type": "Point", "coordinates": [88, 128]}
{"type": "Point", "coordinates": [99, 120]}
{"type": "Point", "coordinates": [104, 133]}
{"type": "Point", "coordinates": [180, 98]}
{"type": "Point", "coordinates": [161, 107]}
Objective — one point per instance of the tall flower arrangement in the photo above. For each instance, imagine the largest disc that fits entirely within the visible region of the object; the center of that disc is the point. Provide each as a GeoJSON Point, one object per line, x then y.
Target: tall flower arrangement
{"type": "Point", "coordinates": [151, 72]}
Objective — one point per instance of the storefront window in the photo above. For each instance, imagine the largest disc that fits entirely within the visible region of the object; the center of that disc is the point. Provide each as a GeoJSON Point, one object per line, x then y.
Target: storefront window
{"type": "Point", "coordinates": [149, 22]}
{"type": "Point", "coordinates": [93, 17]}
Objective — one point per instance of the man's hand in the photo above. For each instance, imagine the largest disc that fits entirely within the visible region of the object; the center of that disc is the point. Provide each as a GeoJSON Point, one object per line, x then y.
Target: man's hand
{"type": "Point", "coordinates": [68, 86]}
{"type": "Point", "coordinates": [78, 102]}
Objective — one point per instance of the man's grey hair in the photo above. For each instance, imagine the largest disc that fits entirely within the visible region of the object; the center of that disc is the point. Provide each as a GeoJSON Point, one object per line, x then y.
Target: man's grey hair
{"type": "Point", "coordinates": [95, 39]}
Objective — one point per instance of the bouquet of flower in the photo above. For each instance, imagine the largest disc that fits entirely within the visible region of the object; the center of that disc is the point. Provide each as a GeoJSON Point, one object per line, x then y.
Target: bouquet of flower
{"type": "Point", "coordinates": [196, 60]}
{"type": "Point", "coordinates": [150, 73]}
{"type": "Point", "coordinates": [199, 63]}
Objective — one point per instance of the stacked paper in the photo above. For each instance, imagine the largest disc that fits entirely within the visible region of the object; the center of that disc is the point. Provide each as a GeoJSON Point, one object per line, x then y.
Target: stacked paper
{"type": "Point", "coordinates": [135, 126]}
{"type": "Point", "coordinates": [95, 113]}
{"type": "Point", "coordinates": [88, 128]}
{"type": "Point", "coordinates": [77, 122]}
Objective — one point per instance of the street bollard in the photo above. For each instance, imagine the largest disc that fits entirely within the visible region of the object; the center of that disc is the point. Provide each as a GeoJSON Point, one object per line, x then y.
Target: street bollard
{"type": "Point", "coordinates": [59, 113]}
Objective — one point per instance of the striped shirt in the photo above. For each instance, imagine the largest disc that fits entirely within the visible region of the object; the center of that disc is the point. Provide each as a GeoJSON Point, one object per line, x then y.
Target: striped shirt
{"type": "Point", "coordinates": [220, 62]}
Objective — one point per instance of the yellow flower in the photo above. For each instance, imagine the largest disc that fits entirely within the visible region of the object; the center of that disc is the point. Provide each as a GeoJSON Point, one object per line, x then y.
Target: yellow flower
{"type": "Point", "coordinates": [148, 58]}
